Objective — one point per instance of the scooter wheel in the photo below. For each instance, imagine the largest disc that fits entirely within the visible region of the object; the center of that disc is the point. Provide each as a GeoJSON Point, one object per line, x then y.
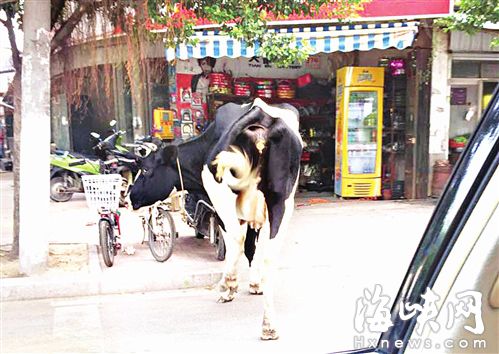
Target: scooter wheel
{"type": "Point", "coordinates": [57, 186]}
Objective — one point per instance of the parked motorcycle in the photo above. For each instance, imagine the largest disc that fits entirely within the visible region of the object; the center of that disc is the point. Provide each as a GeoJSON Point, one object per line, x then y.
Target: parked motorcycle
{"type": "Point", "coordinates": [112, 147]}
{"type": "Point", "coordinates": [104, 148]}
{"type": "Point", "coordinates": [66, 170]}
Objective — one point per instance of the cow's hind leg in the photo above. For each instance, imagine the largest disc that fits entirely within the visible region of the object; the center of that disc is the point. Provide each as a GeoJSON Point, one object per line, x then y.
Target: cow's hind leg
{"type": "Point", "coordinates": [234, 243]}
{"type": "Point", "coordinates": [269, 325]}
{"type": "Point", "coordinates": [262, 275]}
{"type": "Point", "coordinates": [255, 285]}
{"type": "Point", "coordinates": [271, 249]}
{"type": "Point", "coordinates": [224, 201]}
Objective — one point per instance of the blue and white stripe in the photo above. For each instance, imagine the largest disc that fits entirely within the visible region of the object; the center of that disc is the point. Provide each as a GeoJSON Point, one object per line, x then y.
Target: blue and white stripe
{"type": "Point", "coordinates": [323, 39]}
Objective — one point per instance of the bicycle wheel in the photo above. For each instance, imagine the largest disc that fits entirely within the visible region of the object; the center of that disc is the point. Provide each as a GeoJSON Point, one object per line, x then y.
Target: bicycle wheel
{"type": "Point", "coordinates": [219, 244]}
{"type": "Point", "coordinates": [106, 238]}
{"type": "Point", "coordinates": [218, 238]}
{"type": "Point", "coordinates": [161, 243]}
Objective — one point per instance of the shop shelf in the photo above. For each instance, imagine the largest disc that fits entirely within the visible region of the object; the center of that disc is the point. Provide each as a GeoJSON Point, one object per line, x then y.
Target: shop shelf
{"type": "Point", "coordinates": [297, 101]}
{"type": "Point", "coordinates": [314, 117]}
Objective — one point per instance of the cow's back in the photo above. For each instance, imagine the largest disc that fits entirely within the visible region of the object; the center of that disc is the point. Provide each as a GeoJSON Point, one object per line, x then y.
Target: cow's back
{"type": "Point", "coordinates": [269, 174]}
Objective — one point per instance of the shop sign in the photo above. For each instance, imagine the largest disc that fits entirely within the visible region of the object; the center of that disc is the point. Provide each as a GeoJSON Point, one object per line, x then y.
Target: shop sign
{"type": "Point", "coordinates": [458, 96]}
{"type": "Point", "coordinates": [365, 76]}
{"type": "Point", "coordinates": [406, 8]}
{"type": "Point", "coordinates": [379, 9]}
{"type": "Point", "coordinates": [317, 66]}
{"type": "Point", "coordinates": [313, 63]}
{"type": "Point", "coordinates": [257, 62]}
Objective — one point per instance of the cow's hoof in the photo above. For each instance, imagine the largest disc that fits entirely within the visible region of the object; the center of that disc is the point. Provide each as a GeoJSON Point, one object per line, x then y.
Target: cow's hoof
{"type": "Point", "coordinates": [226, 298]}
{"type": "Point", "coordinates": [254, 289]}
{"type": "Point", "coordinates": [268, 331]}
{"type": "Point", "coordinates": [228, 289]}
{"type": "Point", "coordinates": [269, 334]}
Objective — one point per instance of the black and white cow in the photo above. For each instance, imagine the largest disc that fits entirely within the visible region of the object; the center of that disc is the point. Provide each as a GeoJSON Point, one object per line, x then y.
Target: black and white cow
{"type": "Point", "coordinates": [246, 164]}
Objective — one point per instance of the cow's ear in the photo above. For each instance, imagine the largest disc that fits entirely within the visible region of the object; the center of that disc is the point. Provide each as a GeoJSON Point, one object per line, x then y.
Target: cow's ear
{"type": "Point", "coordinates": [169, 154]}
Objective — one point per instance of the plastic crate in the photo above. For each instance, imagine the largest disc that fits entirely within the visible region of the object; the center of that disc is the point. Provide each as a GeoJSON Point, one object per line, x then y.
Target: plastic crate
{"type": "Point", "coordinates": [102, 191]}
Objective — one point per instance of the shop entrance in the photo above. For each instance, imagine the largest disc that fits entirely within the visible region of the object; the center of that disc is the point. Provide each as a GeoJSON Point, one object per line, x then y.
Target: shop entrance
{"type": "Point", "coordinates": [468, 101]}
{"type": "Point", "coordinates": [219, 69]}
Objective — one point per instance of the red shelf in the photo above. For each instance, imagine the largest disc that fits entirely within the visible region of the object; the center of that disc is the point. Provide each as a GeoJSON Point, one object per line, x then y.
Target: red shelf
{"type": "Point", "coordinates": [297, 101]}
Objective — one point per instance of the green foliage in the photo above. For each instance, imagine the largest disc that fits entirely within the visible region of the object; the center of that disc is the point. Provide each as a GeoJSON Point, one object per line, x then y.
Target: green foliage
{"type": "Point", "coordinates": [247, 20]}
{"type": "Point", "coordinates": [471, 16]}
{"type": "Point", "coordinates": [281, 51]}
{"type": "Point", "coordinates": [11, 9]}
{"type": "Point", "coordinates": [241, 19]}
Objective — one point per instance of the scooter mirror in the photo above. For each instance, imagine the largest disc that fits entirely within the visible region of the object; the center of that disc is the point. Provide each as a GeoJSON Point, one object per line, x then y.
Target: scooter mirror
{"type": "Point", "coordinates": [95, 135]}
{"type": "Point", "coordinates": [112, 123]}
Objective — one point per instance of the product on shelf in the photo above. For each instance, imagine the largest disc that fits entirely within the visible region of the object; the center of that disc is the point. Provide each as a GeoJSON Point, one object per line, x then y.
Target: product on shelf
{"type": "Point", "coordinates": [242, 88]}
{"type": "Point", "coordinates": [220, 83]}
{"type": "Point", "coordinates": [286, 89]}
{"type": "Point", "coordinates": [397, 67]}
{"type": "Point", "coordinates": [264, 89]}
{"type": "Point", "coordinates": [304, 80]}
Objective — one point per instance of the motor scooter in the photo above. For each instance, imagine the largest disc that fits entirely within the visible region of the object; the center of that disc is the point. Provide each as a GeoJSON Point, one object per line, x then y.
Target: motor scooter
{"type": "Point", "coordinates": [66, 170]}
{"type": "Point", "coordinates": [112, 147]}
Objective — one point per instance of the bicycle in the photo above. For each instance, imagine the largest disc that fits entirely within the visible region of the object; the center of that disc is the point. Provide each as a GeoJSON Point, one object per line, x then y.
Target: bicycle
{"type": "Point", "coordinates": [159, 228]}
{"type": "Point", "coordinates": [102, 192]}
{"type": "Point", "coordinates": [203, 219]}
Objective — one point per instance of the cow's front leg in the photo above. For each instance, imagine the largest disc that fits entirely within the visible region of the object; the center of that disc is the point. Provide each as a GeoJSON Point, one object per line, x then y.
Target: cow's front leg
{"type": "Point", "coordinates": [234, 243]}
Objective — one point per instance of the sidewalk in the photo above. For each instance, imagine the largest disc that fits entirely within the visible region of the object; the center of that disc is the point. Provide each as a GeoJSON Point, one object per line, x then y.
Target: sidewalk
{"type": "Point", "coordinates": [321, 230]}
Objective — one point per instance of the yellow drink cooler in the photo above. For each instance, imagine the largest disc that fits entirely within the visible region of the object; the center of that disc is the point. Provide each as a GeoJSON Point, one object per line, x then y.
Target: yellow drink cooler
{"type": "Point", "coordinates": [359, 128]}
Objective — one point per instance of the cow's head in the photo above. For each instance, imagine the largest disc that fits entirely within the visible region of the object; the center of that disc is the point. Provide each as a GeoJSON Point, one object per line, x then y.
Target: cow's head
{"type": "Point", "coordinates": [157, 178]}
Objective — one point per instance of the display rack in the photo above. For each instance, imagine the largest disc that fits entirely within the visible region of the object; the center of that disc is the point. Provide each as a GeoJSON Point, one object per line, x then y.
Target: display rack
{"type": "Point", "coordinates": [394, 117]}
{"type": "Point", "coordinates": [316, 130]}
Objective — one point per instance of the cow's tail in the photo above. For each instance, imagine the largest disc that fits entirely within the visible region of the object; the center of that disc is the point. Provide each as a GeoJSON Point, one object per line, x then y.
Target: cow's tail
{"type": "Point", "coordinates": [234, 168]}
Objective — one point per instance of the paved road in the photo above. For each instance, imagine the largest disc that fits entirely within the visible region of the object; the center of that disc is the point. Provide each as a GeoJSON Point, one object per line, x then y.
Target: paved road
{"type": "Point", "coordinates": [315, 313]}
{"type": "Point", "coordinates": [332, 253]}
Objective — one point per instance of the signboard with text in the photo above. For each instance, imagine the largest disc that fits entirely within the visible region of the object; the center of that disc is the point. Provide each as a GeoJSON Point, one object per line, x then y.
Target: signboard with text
{"type": "Point", "coordinates": [378, 9]}
{"type": "Point", "coordinates": [406, 8]}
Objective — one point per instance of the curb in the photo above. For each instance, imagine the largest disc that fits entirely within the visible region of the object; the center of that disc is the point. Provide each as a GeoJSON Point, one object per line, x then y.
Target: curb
{"type": "Point", "coordinates": [97, 282]}
{"type": "Point", "coordinates": [42, 287]}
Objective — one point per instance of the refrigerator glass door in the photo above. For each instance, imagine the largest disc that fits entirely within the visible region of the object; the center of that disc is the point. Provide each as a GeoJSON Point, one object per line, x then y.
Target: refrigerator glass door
{"type": "Point", "coordinates": [362, 132]}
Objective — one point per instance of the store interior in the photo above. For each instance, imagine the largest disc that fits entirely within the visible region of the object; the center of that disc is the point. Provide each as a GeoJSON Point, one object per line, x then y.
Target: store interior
{"type": "Point", "coordinates": [197, 87]}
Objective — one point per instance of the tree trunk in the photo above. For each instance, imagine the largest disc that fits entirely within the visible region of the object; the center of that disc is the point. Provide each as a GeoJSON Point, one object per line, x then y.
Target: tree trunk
{"type": "Point", "coordinates": [35, 139]}
{"type": "Point", "coordinates": [16, 83]}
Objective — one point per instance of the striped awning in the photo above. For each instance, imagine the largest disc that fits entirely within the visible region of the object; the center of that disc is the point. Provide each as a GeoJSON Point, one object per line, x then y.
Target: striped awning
{"type": "Point", "coordinates": [323, 39]}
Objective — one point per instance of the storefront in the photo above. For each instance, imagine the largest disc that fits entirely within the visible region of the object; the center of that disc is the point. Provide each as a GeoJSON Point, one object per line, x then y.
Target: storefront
{"type": "Point", "coordinates": [239, 75]}
{"type": "Point", "coordinates": [161, 97]}
{"type": "Point", "coordinates": [465, 76]}
{"type": "Point", "coordinates": [474, 76]}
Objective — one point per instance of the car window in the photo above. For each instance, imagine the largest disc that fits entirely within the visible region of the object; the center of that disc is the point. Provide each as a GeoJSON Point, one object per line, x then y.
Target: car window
{"type": "Point", "coordinates": [467, 277]}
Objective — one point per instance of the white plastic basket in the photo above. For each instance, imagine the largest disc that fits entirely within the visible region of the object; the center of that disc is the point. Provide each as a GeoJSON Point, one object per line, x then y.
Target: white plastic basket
{"type": "Point", "coordinates": [102, 191]}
